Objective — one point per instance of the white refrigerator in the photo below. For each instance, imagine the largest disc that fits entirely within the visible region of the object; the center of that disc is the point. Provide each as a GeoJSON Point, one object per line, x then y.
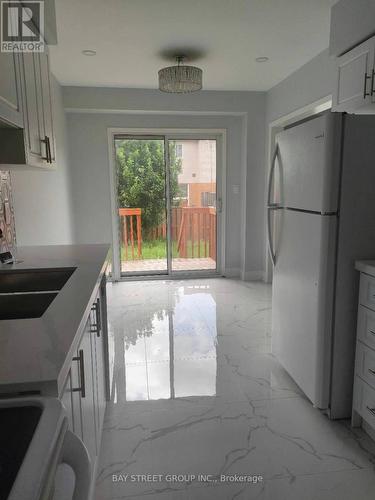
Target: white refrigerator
{"type": "Point", "coordinates": [319, 169]}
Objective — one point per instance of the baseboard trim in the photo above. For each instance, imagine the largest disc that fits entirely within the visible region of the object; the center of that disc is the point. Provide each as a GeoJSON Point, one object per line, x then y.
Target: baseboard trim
{"type": "Point", "coordinates": [253, 276]}
{"type": "Point", "coordinates": [232, 272]}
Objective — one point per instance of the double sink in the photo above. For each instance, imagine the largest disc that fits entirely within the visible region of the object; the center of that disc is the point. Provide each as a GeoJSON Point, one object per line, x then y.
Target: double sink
{"type": "Point", "coordinates": [28, 293]}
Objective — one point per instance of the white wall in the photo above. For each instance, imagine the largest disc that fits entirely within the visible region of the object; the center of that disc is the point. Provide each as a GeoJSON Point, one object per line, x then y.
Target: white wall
{"type": "Point", "coordinates": [93, 111]}
{"type": "Point", "coordinates": [42, 199]}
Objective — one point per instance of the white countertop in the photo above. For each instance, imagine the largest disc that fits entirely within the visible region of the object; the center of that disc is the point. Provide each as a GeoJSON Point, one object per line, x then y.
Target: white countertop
{"type": "Point", "coordinates": [36, 352]}
{"type": "Point", "coordinates": [366, 266]}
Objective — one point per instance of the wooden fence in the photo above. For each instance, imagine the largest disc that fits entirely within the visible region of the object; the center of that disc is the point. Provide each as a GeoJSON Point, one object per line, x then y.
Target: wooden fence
{"type": "Point", "coordinates": [192, 228]}
{"type": "Point", "coordinates": [129, 227]}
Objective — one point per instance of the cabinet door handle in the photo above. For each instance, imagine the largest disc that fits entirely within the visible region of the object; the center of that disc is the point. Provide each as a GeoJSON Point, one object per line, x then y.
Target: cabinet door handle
{"type": "Point", "coordinates": [49, 149]}
{"type": "Point", "coordinates": [371, 410]}
{"type": "Point", "coordinates": [81, 360]}
{"type": "Point", "coordinates": [365, 93]}
{"type": "Point", "coordinates": [372, 90]}
{"type": "Point", "coordinates": [97, 327]}
{"type": "Point", "coordinates": [46, 142]}
{"type": "Point", "coordinates": [98, 317]}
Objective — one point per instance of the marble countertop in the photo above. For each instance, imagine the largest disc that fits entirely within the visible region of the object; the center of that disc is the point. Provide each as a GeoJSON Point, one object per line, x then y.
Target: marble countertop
{"type": "Point", "coordinates": [35, 353]}
{"type": "Point", "coordinates": [366, 266]}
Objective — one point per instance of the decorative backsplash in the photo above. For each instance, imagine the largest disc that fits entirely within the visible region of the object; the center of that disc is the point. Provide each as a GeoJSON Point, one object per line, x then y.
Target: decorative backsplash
{"type": "Point", "coordinates": [7, 222]}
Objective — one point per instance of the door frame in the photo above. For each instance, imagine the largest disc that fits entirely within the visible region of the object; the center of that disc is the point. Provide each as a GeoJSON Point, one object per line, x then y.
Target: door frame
{"type": "Point", "coordinates": [170, 134]}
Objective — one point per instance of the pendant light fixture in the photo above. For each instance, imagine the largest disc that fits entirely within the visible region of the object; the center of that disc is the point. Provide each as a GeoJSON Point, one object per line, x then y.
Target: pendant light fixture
{"type": "Point", "coordinates": [180, 78]}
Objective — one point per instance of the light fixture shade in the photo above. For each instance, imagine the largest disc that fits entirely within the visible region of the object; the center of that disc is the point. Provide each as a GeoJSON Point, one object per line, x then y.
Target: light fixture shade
{"type": "Point", "coordinates": [180, 79]}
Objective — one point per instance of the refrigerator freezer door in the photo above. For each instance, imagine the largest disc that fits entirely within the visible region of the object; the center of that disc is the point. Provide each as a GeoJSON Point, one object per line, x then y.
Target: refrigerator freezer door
{"type": "Point", "coordinates": [310, 164]}
{"type": "Point", "coordinates": [302, 301]}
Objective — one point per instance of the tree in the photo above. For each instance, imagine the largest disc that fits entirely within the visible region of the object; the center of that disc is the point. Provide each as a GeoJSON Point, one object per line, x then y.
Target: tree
{"type": "Point", "coordinates": [141, 177]}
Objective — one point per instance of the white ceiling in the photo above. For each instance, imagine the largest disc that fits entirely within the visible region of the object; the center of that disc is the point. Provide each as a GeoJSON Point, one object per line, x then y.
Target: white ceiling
{"type": "Point", "coordinates": [129, 35]}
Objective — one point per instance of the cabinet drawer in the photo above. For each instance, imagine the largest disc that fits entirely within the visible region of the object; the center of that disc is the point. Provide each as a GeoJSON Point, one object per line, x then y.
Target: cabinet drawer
{"type": "Point", "coordinates": [366, 326]}
{"type": "Point", "coordinates": [364, 401]}
{"type": "Point", "coordinates": [365, 364]}
{"type": "Point", "coordinates": [367, 291]}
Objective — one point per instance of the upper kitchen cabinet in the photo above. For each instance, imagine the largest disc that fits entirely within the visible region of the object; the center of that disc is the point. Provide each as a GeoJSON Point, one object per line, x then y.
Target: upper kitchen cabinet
{"type": "Point", "coordinates": [38, 117]}
{"type": "Point", "coordinates": [352, 42]}
{"type": "Point", "coordinates": [10, 89]}
{"type": "Point", "coordinates": [26, 137]}
{"type": "Point", "coordinates": [354, 90]}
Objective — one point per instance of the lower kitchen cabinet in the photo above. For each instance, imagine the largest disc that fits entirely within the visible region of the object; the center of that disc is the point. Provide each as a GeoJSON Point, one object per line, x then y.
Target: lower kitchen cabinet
{"type": "Point", "coordinates": [86, 359]}
{"type": "Point", "coordinates": [66, 400]}
{"type": "Point", "coordinates": [85, 394]}
{"type": "Point", "coordinates": [364, 378]}
{"type": "Point", "coordinates": [98, 348]}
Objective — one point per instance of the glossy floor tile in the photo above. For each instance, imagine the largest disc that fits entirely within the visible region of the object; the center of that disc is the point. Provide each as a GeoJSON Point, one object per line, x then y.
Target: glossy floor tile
{"type": "Point", "coordinates": [200, 409]}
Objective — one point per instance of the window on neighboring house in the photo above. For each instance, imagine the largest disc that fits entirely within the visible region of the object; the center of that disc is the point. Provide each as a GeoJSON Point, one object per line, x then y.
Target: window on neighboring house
{"type": "Point", "coordinates": [178, 150]}
{"type": "Point", "coordinates": [183, 190]}
{"type": "Point", "coordinates": [208, 199]}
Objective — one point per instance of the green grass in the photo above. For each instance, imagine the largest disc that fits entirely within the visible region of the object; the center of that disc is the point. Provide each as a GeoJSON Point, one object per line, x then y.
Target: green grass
{"type": "Point", "coordinates": [157, 249]}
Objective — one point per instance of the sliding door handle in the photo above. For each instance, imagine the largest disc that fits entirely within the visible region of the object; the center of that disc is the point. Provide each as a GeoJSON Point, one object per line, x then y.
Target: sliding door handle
{"type": "Point", "coordinates": [219, 205]}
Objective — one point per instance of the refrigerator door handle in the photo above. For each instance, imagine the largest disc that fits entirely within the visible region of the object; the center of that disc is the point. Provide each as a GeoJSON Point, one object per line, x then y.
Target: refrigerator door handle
{"type": "Point", "coordinates": [271, 206]}
{"type": "Point", "coordinates": [270, 239]}
{"type": "Point", "coordinates": [270, 178]}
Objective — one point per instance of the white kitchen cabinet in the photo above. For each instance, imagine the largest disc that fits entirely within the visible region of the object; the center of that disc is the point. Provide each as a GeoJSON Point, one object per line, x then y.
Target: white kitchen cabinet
{"type": "Point", "coordinates": [47, 103]}
{"type": "Point", "coordinates": [26, 105]}
{"type": "Point", "coordinates": [38, 121]}
{"type": "Point", "coordinates": [86, 361]}
{"type": "Point", "coordinates": [98, 349]}
{"type": "Point", "coordinates": [364, 380]}
{"type": "Point", "coordinates": [76, 398]}
{"type": "Point", "coordinates": [66, 400]}
{"type": "Point", "coordinates": [354, 90]}
{"type": "Point", "coordinates": [32, 97]}
{"type": "Point", "coordinates": [85, 393]}
{"type": "Point", "coordinates": [10, 89]}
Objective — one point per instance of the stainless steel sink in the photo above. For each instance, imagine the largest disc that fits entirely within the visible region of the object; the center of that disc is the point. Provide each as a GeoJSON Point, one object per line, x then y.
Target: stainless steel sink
{"type": "Point", "coordinates": [24, 305]}
{"type": "Point", "coordinates": [34, 280]}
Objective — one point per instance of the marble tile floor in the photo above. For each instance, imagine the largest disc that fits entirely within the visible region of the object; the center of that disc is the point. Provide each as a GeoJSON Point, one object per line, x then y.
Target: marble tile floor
{"type": "Point", "coordinates": [200, 409]}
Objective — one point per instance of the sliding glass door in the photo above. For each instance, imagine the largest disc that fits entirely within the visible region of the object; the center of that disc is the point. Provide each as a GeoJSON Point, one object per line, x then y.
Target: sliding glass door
{"type": "Point", "coordinates": [193, 210]}
{"type": "Point", "coordinates": [142, 205]}
{"type": "Point", "coordinates": [167, 205]}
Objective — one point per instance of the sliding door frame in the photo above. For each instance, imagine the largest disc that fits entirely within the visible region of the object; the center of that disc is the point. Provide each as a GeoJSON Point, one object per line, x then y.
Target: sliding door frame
{"type": "Point", "coordinates": [169, 134]}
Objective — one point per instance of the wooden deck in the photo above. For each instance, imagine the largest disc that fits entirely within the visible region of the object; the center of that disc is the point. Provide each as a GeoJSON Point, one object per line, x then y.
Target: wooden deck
{"type": "Point", "coordinates": [178, 264]}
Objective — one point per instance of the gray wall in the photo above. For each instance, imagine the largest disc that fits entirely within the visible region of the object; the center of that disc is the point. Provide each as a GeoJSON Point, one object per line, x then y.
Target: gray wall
{"type": "Point", "coordinates": [311, 82]}
{"type": "Point", "coordinates": [241, 113]}
{"type": "Point", "coordinates": [42, 199]}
